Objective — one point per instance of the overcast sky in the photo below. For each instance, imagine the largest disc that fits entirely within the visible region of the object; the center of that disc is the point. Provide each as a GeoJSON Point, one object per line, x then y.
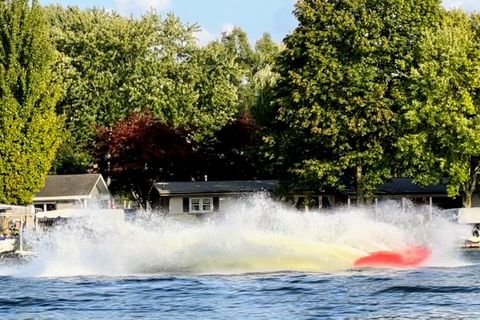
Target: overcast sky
{"type": "Point", "coordinates": [215, 16]}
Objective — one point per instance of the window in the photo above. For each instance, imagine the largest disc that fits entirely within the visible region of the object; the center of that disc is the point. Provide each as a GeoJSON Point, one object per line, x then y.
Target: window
{"type": "Point", "coordinates": [207, 204]}
{"type": "Point", "coordinates": [201, 205]}
{"type": "Point", "coordinates": [195, 204]}
{"type": "Point", "coordinates": [45, 207]}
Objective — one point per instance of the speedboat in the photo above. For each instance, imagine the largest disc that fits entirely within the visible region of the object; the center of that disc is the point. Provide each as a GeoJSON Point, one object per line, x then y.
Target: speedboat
{"type": "Point", "coordinates": [469, 217]}
{"type": "Point", "coordinates": [471, 243]}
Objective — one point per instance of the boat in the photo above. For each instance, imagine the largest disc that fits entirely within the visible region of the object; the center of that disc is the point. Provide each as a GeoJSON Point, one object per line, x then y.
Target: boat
{"type": "Point", "coordinates": [8, 245]}
{"type": "Point", "coordinates": [469, 244]}
{"type": "Point", "coordinates": [470, 216]}
{"type": "Point", "coordinates": [411, 257]}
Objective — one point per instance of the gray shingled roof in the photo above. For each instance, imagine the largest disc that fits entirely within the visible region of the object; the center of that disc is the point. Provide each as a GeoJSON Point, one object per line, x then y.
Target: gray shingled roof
{"type": "Point", "coordinates": [199, 187]}
{"type": "Point", "coordinates": [406, 186]}
{"type": "Point", "coordinates": [398, 186]}
{"type": "Point", "coordinates": [71, 185]}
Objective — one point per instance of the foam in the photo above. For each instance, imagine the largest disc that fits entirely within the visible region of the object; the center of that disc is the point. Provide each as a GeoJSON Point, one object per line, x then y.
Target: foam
{"type": "Point", "coordinates": [254, 235]}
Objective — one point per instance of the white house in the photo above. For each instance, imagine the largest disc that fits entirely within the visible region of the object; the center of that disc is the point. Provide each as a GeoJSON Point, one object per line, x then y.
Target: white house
{"type": "Point", "coordinates": [201, 197]}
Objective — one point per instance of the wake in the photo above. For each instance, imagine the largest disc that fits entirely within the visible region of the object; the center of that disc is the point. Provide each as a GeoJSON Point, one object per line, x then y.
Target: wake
{"type": "Point", "coordinates": [255, 235]}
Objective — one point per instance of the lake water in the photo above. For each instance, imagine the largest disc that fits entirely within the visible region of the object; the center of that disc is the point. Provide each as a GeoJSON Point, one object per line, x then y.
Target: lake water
{"type": "Point", "coordinates": [259, 261]}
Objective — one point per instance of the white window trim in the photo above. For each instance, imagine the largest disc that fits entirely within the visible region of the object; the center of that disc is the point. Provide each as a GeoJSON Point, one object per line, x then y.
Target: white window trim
{"type": "Point", "coordinates": [200, 203]}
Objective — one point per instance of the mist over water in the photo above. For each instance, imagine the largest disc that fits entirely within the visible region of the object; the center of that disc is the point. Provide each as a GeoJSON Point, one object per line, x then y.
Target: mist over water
{"type": "Point", "coordinates": [256, 234]}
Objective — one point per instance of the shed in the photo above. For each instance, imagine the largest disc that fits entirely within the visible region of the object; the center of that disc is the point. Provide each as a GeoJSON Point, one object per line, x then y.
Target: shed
{"type": "Point", "coordinates": [73, 191]}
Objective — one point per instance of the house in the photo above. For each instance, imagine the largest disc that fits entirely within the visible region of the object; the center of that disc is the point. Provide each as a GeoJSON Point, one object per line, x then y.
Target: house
{"type": "Point", "coordinates": [404, 188]}
{"type": "Point", "coordinates": [200, 197]}
{"type": "Point", "coordinates": [73, 191]}
{"type": "Point", "coordinates": [396, 189]}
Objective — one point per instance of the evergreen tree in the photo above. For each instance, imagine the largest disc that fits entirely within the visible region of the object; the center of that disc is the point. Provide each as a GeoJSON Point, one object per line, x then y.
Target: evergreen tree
{"type": "Point", "coordinates": [30, 130]}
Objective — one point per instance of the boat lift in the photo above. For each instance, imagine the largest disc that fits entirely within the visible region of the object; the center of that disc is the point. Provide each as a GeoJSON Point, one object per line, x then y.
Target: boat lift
{"type": "Point", "coordinates": [26, 216]}
{"type": "Point", "coordinates": [470, 216]}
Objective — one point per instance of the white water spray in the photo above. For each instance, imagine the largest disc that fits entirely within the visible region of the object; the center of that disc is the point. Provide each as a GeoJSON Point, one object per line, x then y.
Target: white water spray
{"type": "Point", "coordinates": [254, 235]}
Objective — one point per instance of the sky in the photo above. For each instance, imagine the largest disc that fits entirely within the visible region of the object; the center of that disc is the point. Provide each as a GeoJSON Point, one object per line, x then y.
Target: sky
{"type": "Point", "coordinates": [217, 16]}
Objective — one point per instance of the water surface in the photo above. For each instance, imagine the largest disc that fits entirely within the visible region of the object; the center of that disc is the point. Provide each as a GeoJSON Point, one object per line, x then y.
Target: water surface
{"type": "Point", "coordinates": [259, 261]}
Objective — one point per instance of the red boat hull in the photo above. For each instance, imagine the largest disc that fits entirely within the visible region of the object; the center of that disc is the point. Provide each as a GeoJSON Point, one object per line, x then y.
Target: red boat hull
{"type": "Point", "coordinates": [411, 257]}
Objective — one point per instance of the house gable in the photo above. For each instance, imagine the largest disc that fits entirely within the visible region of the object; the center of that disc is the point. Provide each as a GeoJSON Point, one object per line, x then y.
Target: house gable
{"type": "Point", "coordinates": [77, 186]}
{"type": "Point", "coordinates": [73, 191]}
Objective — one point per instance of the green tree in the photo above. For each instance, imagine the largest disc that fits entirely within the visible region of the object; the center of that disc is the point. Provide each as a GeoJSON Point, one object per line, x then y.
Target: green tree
{"type": "Point", "coordinates": [217, 78]}
{"type": "Point", "coordinates": [112, 66]}
{"type": "Point", "coordinates": [264, 79]}
{"type": "Point", "coordinates": [237, 82]}
{"type": "Point", "coordinates": [442, 116]}
{"type": "Point", "coordinates": [340, 77]}
{"type": "Point", "coordinates": [266, 51]}
{"type": "Point", "coordinates": [30, 130]}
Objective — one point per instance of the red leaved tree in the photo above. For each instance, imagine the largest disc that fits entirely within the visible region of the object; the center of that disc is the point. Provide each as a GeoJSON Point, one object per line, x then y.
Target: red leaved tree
{"type": "Point", "coordinates": [139, 150]}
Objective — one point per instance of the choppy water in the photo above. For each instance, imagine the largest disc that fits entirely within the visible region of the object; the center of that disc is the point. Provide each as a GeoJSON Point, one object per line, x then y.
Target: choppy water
{"type": "Point", "coordinates": [448, 293]}
{"type": "Point", "coordinates": [259, 261]}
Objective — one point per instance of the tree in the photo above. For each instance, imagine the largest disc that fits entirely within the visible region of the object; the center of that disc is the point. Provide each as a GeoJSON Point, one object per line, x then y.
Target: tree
{"type": "Point", "coordinates": [340, 77]}
{"type": "Point", "coordinates": [140, 150]}
{"type": "Point", "coordinates": [216, 84]}
{"type": "Point", "coordinates": [231, 154]}
{"type": "Point", "coordinates": [112, 66]}
{"type": "Point", "coordinates": [264, 80]}
{"type": "Point", "coordinates": [30, 130]}
{"type": "Point", "coordinates": [266, 51]}
{"type": "Point", "coordinates": [442, 117]}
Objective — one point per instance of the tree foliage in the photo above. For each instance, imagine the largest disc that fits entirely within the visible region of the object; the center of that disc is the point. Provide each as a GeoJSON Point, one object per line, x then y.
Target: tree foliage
{"type": "Point", "coordinates": [264, 80]}
{"type": "Point", "coordinates": [441, 120]}
{"type": "Point", "coordinates": [232, 153]}
{"type": "Point", "coordinates": [341, 76]}
{"type": "Point", "coordinates": [361, 90]}
{"type": "Point", "coordinates": [139, 150]}
{"type": "Point", "coordinates": [112, 66]}
{"type": "Point", "coordinates": [30, 130]}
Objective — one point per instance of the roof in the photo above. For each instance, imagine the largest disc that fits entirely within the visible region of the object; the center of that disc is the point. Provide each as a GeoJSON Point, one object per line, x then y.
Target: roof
{"type": "Point", "coordinates": [201, 187]}
{"type": "Point", "coordinates": [406, 186]}
{"type": "Point", "coordinates": [71, 186]}
{"type": "Point", "coordinates": [397, 186]}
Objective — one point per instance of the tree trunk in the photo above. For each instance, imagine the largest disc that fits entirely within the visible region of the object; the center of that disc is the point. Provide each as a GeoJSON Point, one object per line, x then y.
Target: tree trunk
{"type": "Point", "coordinates": [469, 188]}
{"type": "Point", "coordinates": [467, 199]}
{"type": "Point", "coordinates": [360, 189]}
